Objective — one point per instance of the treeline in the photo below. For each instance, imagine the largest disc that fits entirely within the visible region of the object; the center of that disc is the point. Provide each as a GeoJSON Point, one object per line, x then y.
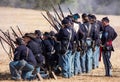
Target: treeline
{"type": "Point", "coordinates": [31, 4]}
{"type": "Point", "coordinates": [89, 6]}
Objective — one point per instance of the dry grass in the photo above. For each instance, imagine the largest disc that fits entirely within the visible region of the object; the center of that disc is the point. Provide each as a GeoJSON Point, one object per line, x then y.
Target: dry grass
{"type": "Point", "coordinates": [29, 20]}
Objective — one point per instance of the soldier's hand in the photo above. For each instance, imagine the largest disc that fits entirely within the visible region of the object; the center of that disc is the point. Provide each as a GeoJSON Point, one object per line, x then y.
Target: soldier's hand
{"type": "Point", "coordinates": [101, 45]}
{"type": "Point", "coordinates": [79, 49]}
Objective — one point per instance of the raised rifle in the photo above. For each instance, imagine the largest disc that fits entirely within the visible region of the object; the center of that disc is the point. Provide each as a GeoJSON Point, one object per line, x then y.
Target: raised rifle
{"type": "Point", "coordinates": [5, 41]}
{"type": "Point", "coordinates": [49, 22]}
{"type": "Point", "coordinates": [14, 32]}
{"type": "Point", "coordinates": [70, 11]}
{"type": "Point", "coordinates": [5, 49]}
{"type": "Point", "coordinates": [54, 20]}
{"type": "Point", "coordinates": [20, 31]}
{"type": "Point", "coordinates": [11, 42]}
{"type": "Point", "coordinates": [61, 11]}
{"type": "Point", "coordinates": [7, 35]}
{"type": "Point", "coordinates": [8, 40]}
{"type": "Point", "coordinates": [56, 12]}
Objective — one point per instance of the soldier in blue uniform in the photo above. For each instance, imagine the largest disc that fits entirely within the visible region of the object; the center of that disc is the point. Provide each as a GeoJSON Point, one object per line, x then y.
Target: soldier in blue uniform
{"type": "Point", "coordinates": [65, 36]}
{"type": "Point", "coordinates": [108, 36]}
{"type": "Point", "coordinates": [35, 48]}
{"type": "Point", "coordinates": [38, 39]}
{"type": "Point", "coordinates": [97, 25]}
{"type": "Point", "coordinates": [75, 58]}
{"type": "Point", "coordinates": [49, 53]}
{"type": "Point", "coordinates": [24, 61]}
{"type": "Point", "coordinates": [88, 33]}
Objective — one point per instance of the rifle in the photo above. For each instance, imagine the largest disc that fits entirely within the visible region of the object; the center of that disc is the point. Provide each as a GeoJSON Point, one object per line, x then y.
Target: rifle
{"type": "Point", "coordinates": [5, 41]}
{"type": "Point", "coordinates": [14, 32]}
{"type": "Point", "coordinates": [54, 20]}
{"type": "Point", "coordinates": [7, 35]}
{"type": "Point", "coordinates": [70, 11]}
{"type": "Point", "coordinates": [20, 31]}
{"type": "Point", "coordinates": [10, 57]}
{"type": "Point", "coordinates": [49, 21]}
{"type": "Point", "coordinates": [13, 47]}
{"type": "Point", "coordinates": [61, 11]}
{"type": "Point", "coordinates": [57, 22]}
{"type": "Point", "coordinates": [56, 12]}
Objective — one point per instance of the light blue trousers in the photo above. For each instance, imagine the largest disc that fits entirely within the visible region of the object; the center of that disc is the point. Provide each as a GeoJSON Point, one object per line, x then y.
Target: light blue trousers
{"type": "Point", "coordinates": [65, 64]}
{"type": "Point", "coordinates": [96, 55]}
{"type": "Point", "coordinates": [77, 64]}
{"type": "Point", "coordinates": [22, 65]}
{"type": "Point", "coordinates": [89, 57]}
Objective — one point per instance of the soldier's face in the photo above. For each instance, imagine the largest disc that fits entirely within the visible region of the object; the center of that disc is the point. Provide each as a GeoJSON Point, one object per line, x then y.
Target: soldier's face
{"type": "Point", "coordinates": [44, 37]}
{"type": "Point", "coordinates": [91, 21]}
{"type": "Point", "coordinates": [26, 40]}
{"type": "Point", "coordinates": [86, 19]}
{"type": "Point", "coordinates": [104, 23]}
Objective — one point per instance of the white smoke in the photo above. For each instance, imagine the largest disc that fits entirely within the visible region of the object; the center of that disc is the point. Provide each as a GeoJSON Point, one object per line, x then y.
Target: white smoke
{"type": "Point", "coordinates": [91, 6]}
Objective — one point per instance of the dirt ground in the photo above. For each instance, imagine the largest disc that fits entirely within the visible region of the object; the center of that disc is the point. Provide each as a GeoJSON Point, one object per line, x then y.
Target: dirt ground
{"type": "Point", "coordinates": [29, 20]}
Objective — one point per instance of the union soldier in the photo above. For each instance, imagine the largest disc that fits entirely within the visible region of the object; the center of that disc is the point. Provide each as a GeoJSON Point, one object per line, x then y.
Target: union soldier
{"type": "Point", "coordinates": [65, 36]}
{"type": "Point", "coordinates": [96, 42]}
{"type": "Point", "coordinates": [49, 53]}
{"type": "Point", "coordinates": [35, 48]}
{"type": "Point", "coordinates": [75, 58]}
{"type": "Point", "coordinates": [38, 39]}
{"type": "Point", "coordinates": [108, 36]}
{"type": "Point", "coordinates": [88, 33]}
{"type": "Point", "coordinates": [24, 61]}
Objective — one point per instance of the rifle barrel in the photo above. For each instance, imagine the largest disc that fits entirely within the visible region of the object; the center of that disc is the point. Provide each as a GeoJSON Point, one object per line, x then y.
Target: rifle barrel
{"type": "Point", "coordinates": [70, 11]}
{"type": "Point", "coordinates": [20, 31]}
{"type": "Point", "coordinates": [5, 50]}
{"type": "Point", "coordinates": [7, 35]}
{"type": "Point", "coordinates": [14, 32]}
{"type": "Point", "coordinates": [56, 13]}
{"type": "Point", "coordinates": [52, 18]}
{"type": "Point", "coordinates": [61, 11]}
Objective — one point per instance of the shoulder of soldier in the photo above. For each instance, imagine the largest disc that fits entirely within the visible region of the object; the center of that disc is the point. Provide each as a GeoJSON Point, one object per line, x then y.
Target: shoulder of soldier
{"type": "Point", "coordinates": [110, 27]}
{"type": "Point", "coordinates": [21, 47]}
{"type": "Point", "coordinates": [61, 30]}
{"type": "Point", "coordinates": [33, 43]}
{"type": "Point", "coordinates": [46, 41]}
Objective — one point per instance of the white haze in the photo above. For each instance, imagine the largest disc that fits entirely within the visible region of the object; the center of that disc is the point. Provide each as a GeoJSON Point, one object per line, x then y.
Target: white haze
{"type": "Point", "coordinates": [91, 6]}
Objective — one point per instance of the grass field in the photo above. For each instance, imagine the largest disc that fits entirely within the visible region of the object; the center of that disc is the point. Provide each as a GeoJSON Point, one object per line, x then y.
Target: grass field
{"type": "Point", "coordinates": [29, 20]}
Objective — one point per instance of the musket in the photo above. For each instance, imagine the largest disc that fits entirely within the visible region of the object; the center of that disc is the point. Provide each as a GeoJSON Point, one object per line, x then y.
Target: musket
{"type": "Point", "coordinates": [20, 31]}
{"type": "Point", "coordinates": [13, 47]}
{"type": "Point", "coordinates": [5, 41]}
{"type": "Point", "coordinates": [56, 12]}
{"type": "Point", "coordinates": [5, 50]}
{"type": "Point", "coordinates": [54, 21]}
{"type": "Point", "coordinates": [9, 40]}
{"type": "Point", "coordinates": [7, 35]}
{"type": "Point", "coordinates": [61, 11]}
{"type": "Point", "coordinates": [48, 21]}
{"type": "Point", "coordinates": [70, 11]}
{"type": "Point", "coordinates": [14, 32]}
{"type": "Point", "coordinates": [57, 22]}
